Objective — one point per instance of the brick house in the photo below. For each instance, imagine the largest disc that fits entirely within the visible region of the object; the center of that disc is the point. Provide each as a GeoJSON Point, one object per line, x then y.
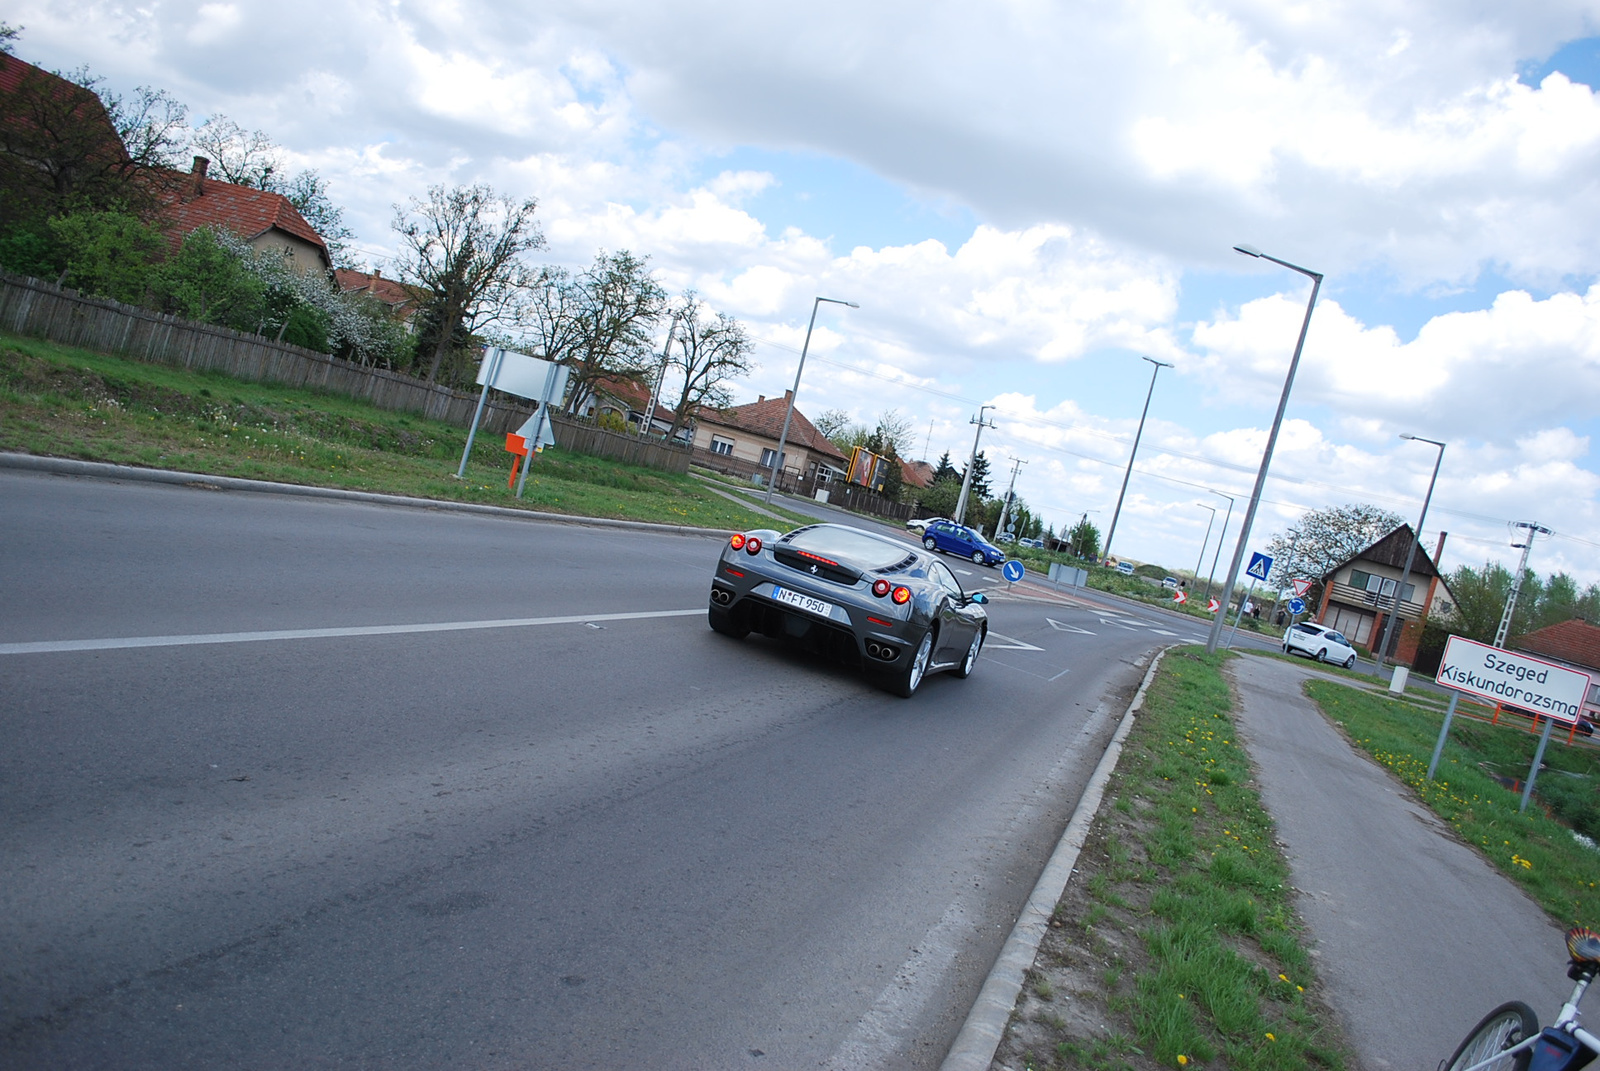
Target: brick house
{"type": "Point", "coordinates": [1359, 594]}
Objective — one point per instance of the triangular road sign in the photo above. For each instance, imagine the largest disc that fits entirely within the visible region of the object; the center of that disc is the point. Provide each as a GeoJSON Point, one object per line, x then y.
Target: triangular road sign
{"type": "Point", "coordinates": [1301, 587]}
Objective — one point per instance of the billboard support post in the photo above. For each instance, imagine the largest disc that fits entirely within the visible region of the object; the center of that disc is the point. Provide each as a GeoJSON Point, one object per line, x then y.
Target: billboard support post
{"type": "Point", "coordinates": [1538, 757]}
{"type": "Point", "coordinates": [1444, 732]}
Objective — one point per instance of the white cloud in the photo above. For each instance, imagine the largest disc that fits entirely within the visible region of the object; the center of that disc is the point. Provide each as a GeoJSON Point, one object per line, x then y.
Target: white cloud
{"type": "Point", "coordinates": [1496, 374]}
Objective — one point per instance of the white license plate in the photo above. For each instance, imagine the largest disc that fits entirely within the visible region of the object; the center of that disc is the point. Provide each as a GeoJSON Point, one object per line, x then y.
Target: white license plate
{"type": "Point", "coordinates": [804, 602]}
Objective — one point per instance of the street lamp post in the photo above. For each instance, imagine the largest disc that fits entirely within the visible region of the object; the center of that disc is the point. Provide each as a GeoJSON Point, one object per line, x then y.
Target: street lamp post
{"type": "Point", "coordinates": [1272, 436]}
{"type": "Point", "coordinates": [1200, 560]}
{"type": "Point", "coordinates": [1221, 537]}
{"type": "Point", "coordinates": [1105, 551]}
{"type": "Point", "coordinates": [783, 439]}
{"type": "Point", "coordinates": [1405, 574]}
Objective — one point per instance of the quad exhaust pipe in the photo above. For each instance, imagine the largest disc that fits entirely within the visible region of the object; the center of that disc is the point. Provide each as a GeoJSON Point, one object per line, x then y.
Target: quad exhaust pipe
{"type": "Point", "coordinates": [882, 651]}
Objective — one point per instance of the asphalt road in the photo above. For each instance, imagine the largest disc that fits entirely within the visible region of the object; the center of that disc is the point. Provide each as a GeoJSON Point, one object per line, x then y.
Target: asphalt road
{"type": "Point", "coordinates": [492, 795]}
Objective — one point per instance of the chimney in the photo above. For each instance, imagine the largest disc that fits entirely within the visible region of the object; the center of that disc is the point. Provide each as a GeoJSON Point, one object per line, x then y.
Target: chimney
{"type": "Point", "coordinates": [1437, 551]}
{"type": "Point", "coordinates": [788, 394]}
{"type": "Point", "coordinates": [377, 273]}
{"type": "Point", "coordinates": [198, 170]}
{"type": "Point", "coordinates": [760, 398]}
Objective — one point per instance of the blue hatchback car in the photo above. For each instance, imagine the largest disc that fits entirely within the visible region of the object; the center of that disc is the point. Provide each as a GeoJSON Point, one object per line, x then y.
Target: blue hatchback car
{"type": "Point", "coordinates": [960, 540]}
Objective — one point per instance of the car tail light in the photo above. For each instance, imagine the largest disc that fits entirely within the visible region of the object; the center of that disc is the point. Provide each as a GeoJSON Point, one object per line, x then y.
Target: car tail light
{"type": "Point", "coordinates": [880, 621]}
{"type": "Point", "coordinates": [880, 587]}
{"type": "Point", "coordinates": [752, 545]}
{"type": "Point", "coordinates": [737, 542]}
{"type": "Point", "coordinates": [901, 596]}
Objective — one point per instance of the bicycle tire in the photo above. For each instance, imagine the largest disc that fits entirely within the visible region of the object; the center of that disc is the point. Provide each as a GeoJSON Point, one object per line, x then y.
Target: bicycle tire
{"type": "Point", "coordinates": [1502, 1028]}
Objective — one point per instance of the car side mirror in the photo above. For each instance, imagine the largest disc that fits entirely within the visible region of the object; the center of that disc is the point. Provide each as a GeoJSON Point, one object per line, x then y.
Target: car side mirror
{"type": "Point", "coordinates": [978, 597]}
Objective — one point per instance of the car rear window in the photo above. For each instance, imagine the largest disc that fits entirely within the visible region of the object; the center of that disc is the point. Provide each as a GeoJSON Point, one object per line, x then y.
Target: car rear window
{"type": "Point", "coordinates": [861, 549]}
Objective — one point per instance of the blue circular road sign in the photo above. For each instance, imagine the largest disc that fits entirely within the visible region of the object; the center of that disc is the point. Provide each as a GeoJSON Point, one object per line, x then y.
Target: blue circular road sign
{"type": "Point", "coordinates": [1013, 570]}
{"type": "Point", "coordinates": [1297, 606]}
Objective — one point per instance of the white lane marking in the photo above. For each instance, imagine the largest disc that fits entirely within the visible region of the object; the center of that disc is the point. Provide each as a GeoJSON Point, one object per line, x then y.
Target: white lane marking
{"type": "Point", "coordinates": [1010, 644]}
{"type": "Point", "coordinates": [1063, 673]}
{"type": "Point", "coordinates": [964, 572]}
{"type": "Point", "coordinates": [1162, 632]}
{"type": "Point", "coordinates": [119, 643]}
{"type": "Point", "coordinates": [1059, 627]}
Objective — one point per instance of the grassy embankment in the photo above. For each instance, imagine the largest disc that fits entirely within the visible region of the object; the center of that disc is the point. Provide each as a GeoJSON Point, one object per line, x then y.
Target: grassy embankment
{"type": "Point", "coordinates": [1536, 849]}
{"type": "Point", "coordinates": [67, 402]}
{"type": "Point", "coordinates": [1176, 944]}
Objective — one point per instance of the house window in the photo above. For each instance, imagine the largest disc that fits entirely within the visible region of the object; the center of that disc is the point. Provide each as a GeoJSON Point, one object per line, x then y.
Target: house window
{"type": "Point", "coordinates": [1379, 586]}
{"type": "Point", "coordinates": [719, 445]}
{"type": "Point", "coordinates": [767, 455]}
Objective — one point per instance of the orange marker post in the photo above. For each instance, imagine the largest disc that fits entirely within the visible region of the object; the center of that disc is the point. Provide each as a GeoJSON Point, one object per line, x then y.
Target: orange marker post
{"type": "Point", "coordinates": [518, 446]}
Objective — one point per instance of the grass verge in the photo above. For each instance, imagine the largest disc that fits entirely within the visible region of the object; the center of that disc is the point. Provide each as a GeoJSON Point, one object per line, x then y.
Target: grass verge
{"type": "Point", "coordinates": [65, 402]}
{"type": "Point", "coordinates": [1536, 848]}
{"type": "Point", "coordinates": [1176, 945]}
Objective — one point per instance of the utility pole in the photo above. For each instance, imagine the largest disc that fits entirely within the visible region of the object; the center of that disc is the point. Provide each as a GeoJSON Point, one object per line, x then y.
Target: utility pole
{"type": "Point", "coordinates": [661, 378]}
{"type": "Point", "coordinates": [966, 479]}
{"type": "Point", "coordinates": [1105, 551]}
{"type": "Point", "coordinates": [1516, 581]}
{"type": "Point", "coordinates": [1016, 466]}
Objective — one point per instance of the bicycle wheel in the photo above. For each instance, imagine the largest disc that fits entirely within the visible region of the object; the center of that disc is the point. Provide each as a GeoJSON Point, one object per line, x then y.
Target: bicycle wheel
{"type": "Point", "coordinates": [1502, 1028]}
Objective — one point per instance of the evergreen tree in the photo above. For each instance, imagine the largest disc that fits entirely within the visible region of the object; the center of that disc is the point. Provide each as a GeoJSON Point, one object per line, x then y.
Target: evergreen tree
{"type": "Point", "coordinates": [944, 470]}
{"type": "Point", "coordinates": [979, 488]}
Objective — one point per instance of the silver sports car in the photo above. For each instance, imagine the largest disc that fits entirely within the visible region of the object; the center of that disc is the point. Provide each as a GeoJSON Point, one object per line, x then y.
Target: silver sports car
{"type": "Point", "coordinates": [894, 609]}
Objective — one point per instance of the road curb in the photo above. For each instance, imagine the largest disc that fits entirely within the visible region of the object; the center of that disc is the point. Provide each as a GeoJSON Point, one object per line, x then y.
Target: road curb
{"type": "Point", "coordinates": [981, 1034]}
{"type": "Point", "coordinates": [62, 466]}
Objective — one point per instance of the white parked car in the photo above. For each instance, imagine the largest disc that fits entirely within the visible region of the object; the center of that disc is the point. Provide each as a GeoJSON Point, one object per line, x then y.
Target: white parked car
{"type": "Point", "coordinates": [920, 524]}
{"type": "Point", "coordinates": [1319, 642]}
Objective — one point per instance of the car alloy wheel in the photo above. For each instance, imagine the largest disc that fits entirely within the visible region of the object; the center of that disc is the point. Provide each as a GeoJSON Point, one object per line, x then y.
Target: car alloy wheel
{"type": "Point", "coordinates": [1350, 662]}
{"type": "Point", "coordinates": [965, 670]}
{"type": "Point", "coordinates": [931, 543]}
{"type": "Point", "coordinates": [977, 557]}
{"type": "Point", "coordinates": [906, 682]}
{"type": "Point", "coordinates": [1322, 655]}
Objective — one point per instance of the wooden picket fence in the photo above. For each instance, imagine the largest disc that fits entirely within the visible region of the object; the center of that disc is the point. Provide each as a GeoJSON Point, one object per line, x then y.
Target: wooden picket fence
{"type": "Point", "coordinates": [43, 310]}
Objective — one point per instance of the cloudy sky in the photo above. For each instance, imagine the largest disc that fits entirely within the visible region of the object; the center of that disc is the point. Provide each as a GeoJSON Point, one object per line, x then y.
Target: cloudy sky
{"type": "Point", "coordinates": [1024, 197]}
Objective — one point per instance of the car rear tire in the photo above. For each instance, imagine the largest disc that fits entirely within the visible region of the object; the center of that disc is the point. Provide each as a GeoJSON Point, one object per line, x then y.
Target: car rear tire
{"type": "Point", "coordinates": [1322, 655]}
{"type": "Point", "coordinates": [963, 671]}
{"type": "Point", "coordinates": [930, 543]}
{"type": "Point", "coordinates": [722, 621]}
{"type": "Point", "coordinates": [905, 682]}
{"type": "Point", "coordinates": [1350, 662]}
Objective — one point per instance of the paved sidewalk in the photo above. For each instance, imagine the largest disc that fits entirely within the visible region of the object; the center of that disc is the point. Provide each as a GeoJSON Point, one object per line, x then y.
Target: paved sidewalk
{"type": "Point", "coordinates": [1414, 935]}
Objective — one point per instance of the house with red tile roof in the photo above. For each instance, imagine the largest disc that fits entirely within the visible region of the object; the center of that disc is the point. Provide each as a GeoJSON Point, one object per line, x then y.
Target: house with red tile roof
{"type": "Point", "coordinates": [916, 473]}
{"type": "Point", "coordinates": [401, 300]}
{"type": "Point", "coordinates": [1574, 644]}
{"type": "Point", "coordinates": [747, 435]}
{"type": "Point", "coordinates": [57, 142]}
{"type": "Point", "coordinates": [267, 221]}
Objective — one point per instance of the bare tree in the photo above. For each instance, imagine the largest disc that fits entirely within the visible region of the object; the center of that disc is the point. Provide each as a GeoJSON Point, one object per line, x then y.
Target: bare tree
{"type": "Point", "coordinates": [463, 246]}
{"type": "Point", "coordinates": [599, 322]}
{"type": "Point", "coordinates": [832, 423]}
{"type": "Point", "coordinates": [250, 158]}
{"type": "Point", "coordinates": [242, 157]}
{"type": "Point", "coordinates": [710, 351]}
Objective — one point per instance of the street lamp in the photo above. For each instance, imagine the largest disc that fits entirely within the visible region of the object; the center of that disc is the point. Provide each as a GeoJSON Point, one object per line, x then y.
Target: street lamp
{"type": "Point", "coordinates": [1272, 436]}
{"type": "Point", "coordinates": [1198, 561]}
{"type": "Point", "coordinates": [1405, 574]}
{"type": "Point", "coordinates": [1221, 536]}
{"type": "Point", "coordinates": [783, 439]}
{"type": "Point", "coordinates": [1105, 551]}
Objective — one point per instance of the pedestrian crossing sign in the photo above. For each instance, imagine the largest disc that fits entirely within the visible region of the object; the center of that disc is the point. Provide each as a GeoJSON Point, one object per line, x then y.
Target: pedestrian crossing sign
{"type": "Point", "coordinates": [1260, 566]}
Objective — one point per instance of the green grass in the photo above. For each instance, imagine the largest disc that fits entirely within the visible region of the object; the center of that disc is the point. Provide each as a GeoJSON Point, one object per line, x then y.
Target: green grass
{"type": "Point", "coordinates": [1536, 848]}
{"type": "Point", "coordinates": [1185, 880]}
{"type": "Point", "coordinates": [65, 402]}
